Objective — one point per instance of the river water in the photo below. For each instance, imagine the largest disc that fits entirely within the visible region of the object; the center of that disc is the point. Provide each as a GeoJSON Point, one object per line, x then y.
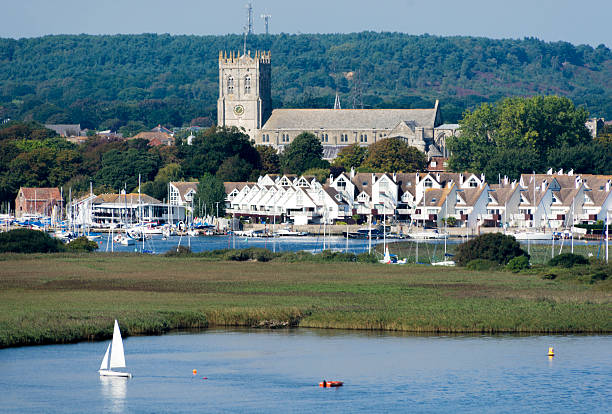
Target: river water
{"type": "Point", "coordinates": [257, 371]}
{"type": "Point", "coordinates": [312, 244]}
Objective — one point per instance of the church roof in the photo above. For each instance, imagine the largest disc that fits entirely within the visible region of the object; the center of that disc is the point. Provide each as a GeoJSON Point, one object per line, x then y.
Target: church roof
{"type": "Point", "coordinates": [313, 119]}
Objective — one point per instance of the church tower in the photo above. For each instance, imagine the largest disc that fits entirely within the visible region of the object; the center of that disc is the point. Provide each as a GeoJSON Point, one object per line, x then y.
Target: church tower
{"type": "Point", "coordinates": [244, 91]}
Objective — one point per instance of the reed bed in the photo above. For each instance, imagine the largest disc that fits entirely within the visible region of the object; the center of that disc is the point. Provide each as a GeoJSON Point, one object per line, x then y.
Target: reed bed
{"type": "Point", "coordinates": [61, 298]}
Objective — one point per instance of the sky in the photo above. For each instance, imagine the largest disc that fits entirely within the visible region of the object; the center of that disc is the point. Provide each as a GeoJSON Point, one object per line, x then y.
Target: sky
{"type": "Point", "coordinates": [577, 22]}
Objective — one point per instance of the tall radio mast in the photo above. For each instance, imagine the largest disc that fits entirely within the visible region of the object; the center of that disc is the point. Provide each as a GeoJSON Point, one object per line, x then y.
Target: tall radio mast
{"type": "Point", "coordinates": [266, 18]}
{"type": "Point", "coordinates": [249, 27]}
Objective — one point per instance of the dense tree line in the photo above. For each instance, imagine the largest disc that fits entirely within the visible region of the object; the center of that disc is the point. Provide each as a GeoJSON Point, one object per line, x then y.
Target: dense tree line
{"type": "Point", "coordinates": [521, 135]}
{"type": "Point", "coordinates": [139, 81]}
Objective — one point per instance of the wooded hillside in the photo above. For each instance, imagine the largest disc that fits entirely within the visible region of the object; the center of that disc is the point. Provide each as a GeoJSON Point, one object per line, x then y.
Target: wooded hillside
{"type": "Point", "coordinates": [107, 81]}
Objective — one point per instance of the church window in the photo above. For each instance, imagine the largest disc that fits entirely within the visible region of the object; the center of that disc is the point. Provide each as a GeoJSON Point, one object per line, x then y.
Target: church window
{"type": "Point", "coordinates": [247, 84]}
{"type": "Point", "coordinates": [365, 138]}
{"type": "Point", "coordinates": [230, 84]}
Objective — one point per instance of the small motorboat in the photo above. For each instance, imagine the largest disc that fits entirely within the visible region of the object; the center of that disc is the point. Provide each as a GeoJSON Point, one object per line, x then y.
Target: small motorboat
{"type": "Point", "coordinates": [330, 384]}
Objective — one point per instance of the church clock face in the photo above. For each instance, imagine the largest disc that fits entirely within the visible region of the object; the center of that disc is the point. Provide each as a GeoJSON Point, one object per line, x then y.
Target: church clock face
{"type": "Point", "coordinates": [239, 110]}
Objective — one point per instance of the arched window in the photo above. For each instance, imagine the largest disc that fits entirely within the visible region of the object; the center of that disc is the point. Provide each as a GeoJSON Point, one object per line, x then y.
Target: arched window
{"type": "Point", "coordinates": [230, 84]}
{"type": "Point", "coordinates": [247, 84]}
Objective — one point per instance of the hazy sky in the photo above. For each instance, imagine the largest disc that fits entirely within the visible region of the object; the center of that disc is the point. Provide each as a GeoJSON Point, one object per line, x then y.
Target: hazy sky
{"type": "Point", "coordinates": [575, 21]}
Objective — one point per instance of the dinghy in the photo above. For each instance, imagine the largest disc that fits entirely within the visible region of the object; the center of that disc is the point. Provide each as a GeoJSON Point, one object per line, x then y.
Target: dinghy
{"type": "Point", "coordinates": [114, 357]}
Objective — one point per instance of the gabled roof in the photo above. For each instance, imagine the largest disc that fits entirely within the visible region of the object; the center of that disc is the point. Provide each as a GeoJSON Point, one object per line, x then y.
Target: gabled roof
{"type": "Point", "coordinates": [502, 194]}
{"type": "Point", "coordinates": [566, 195]}
{"type": "Point", "coordinates": [184, 187]}
{"type": "Point", "coordinates": [155, 138]}
{"type": "Point", "coordinates": [131, 198]}
{"type": "Point", "coordinates": [348, 119]}
{"type": "Point", "coordinates": [42, 193]}
{"type": "Point", "coordinates": [435, 196]}
{"type": "Point", "coordinates": [471, 195]}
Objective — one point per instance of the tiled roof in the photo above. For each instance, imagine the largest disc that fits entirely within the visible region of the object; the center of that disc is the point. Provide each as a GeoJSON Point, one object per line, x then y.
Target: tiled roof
{"type": "Point", "coordinates": [130, 198]}
{"type": "Point", "coordinates": [348, 119]}
{"type": "Point", "coordinates": [184, 187]}
{"type": "Point", "coordinates": [42, 193]}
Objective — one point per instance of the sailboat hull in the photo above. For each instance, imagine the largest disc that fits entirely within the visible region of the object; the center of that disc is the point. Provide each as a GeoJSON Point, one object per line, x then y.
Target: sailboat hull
{"type": "Point", "coordinates": [109, 373]}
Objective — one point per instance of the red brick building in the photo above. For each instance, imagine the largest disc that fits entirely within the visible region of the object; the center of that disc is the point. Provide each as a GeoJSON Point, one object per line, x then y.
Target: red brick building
{"type": "Point", "coordinates": [37, 201]}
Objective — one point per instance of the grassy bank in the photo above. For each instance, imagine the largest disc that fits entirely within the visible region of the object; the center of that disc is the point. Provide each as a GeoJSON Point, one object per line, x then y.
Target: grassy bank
{"type": "Point", "coordinates": [70, 297]}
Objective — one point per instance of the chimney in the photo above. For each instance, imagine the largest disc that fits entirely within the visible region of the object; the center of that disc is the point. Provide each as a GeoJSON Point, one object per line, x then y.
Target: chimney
{"type": "Point", "coordinates": [450, 183]}
{"type": "Point", "coordinates": [513, 184]}
{"type": "Point", "coordinates": [505, 180]}
{"type": "Point", "coordinates": [394, 177]}
{"type": "Point", "coordinates": [416, 179]}
{"type": "Point", "coordinates": [352, 173]}
{"type": "Point", "coordinates": [331, 178]}
{"type": "Point", "coordinates": [482, 178]}
{"type": "Point", "coordinates": [373, 178]}
{"type": "Point", "coordinates": [608, 186]}
{"type": "Point", "coordinates": [577, 182]}
{"type": "Point", "coordinates": [461, 179]}
{"type": "Point", "coordinates": [543, 185]}
{"type": "Point", "coordinates": [438, 177]}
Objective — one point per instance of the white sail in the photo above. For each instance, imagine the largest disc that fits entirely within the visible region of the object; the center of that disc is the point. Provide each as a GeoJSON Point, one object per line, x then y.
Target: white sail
{"type": "Point", "coordinates": [117, 358]}
{"type": "Point", "coordinates": [104, 364]}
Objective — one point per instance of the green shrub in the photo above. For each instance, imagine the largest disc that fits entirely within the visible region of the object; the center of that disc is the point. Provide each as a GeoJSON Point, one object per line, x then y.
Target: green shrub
{"type": "Point", "coordinates": [29, 241]}
{"type": "Point", "coordinates": [178, 251]}
{"type": "Point", "coordinates": [367, 258]}
{"type": "Point", "coordinates": [82, 244]}
{"type": "Point", "coordinates": [496, 247]}
{"type": "Point", "coordinates": [518, 263]}
{"type": "Point", "coordinates": [482, 264]}
{"type": "Point", "coordinates": [237, 255]}
{"type": "Point", "coordinates": [568, 260]}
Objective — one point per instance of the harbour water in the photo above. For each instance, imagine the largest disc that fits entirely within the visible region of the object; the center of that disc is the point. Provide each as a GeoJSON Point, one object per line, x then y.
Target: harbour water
{"type": "Point", "coordinates": [278, 371]}
{"type": "Point", "coordinates": [314, 244]}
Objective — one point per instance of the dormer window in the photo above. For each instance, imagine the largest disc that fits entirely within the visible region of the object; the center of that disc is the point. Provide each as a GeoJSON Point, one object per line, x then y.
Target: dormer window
{"type": "Point", "coordinates": [427, 183]}
{"type": "Point", "coordinates": [341, 183]}
{"type": "Point", "coordinates": [472, 183]}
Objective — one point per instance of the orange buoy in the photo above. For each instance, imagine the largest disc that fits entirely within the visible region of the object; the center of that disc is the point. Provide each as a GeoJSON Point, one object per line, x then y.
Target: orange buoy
{"type": "Point", "coordinates": [330, 384]}
{"type": "Point", "coordinates": [195, 372]}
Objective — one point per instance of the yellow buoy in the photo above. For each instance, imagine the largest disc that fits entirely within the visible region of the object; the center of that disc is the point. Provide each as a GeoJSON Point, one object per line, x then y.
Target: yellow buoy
{"type": "Point", "coordinates": [551, 351]}
{"type": "Point", "coordinates": [195, 371]}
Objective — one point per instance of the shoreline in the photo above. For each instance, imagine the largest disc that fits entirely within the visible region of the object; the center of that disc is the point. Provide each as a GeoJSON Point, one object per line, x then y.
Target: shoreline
{"type": "Point", "coordinates": [102, 335]}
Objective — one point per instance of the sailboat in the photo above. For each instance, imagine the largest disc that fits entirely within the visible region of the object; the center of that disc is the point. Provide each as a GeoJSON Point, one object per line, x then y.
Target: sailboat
{"type": "Point", "coordinates": [114, 357]}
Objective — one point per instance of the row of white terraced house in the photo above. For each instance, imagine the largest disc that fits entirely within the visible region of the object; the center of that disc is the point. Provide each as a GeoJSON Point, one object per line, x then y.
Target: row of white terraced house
{"type": "Point", "coordinates": [552, 200]}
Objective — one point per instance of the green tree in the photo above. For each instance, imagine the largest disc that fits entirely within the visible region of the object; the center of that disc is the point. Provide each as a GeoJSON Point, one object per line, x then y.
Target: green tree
{"type": "Point", "coordinates": [132, 128]}
{"type": "Point", "coordinates": [516, 134]}
{"type": "Point", "coordinates": [170, 172]}
{"type": "Point", "coordinates": [303, 153]}
{"type": "Point", "coordinates": [321, 174]}
{"type": "Point", "coordinates": [350, 156]}
{"type": "Point", "coordinates": [394, 155]}
{"type": "Point", "coordinates": [210, 196]}
{"type": "Point", "coordinates": [270, 161]}
{"type": "Point", "coordinates": [121, 169]}
{"type": "Point", "coordinates": [213, 146]}
{"type": "Point", "coordinates": [234, 169]}
{"type": "Point", "coordinates": [496, 247]}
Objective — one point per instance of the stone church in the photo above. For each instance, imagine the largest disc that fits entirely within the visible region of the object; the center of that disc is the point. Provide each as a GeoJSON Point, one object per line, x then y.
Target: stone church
{"type": "Point", "coordinates": [245, 102]}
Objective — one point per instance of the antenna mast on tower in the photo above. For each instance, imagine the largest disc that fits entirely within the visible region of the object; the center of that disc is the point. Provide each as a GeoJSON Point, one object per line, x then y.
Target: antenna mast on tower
{"type": "Point", "coordinates": [249, 7]}
{"type": "Point", "coordinates": [266, 18]}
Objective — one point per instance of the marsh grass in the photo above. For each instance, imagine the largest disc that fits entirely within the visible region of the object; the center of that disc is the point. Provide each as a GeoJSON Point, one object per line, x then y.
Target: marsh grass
{"type": "Point", "coordinates": [64, 297]}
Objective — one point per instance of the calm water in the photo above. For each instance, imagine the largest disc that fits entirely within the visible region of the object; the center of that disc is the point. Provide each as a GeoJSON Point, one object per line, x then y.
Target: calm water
{"type": "Point", "coordinates": [278, 371]}
{"type": "Point", "coordinates": [312, 244]}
